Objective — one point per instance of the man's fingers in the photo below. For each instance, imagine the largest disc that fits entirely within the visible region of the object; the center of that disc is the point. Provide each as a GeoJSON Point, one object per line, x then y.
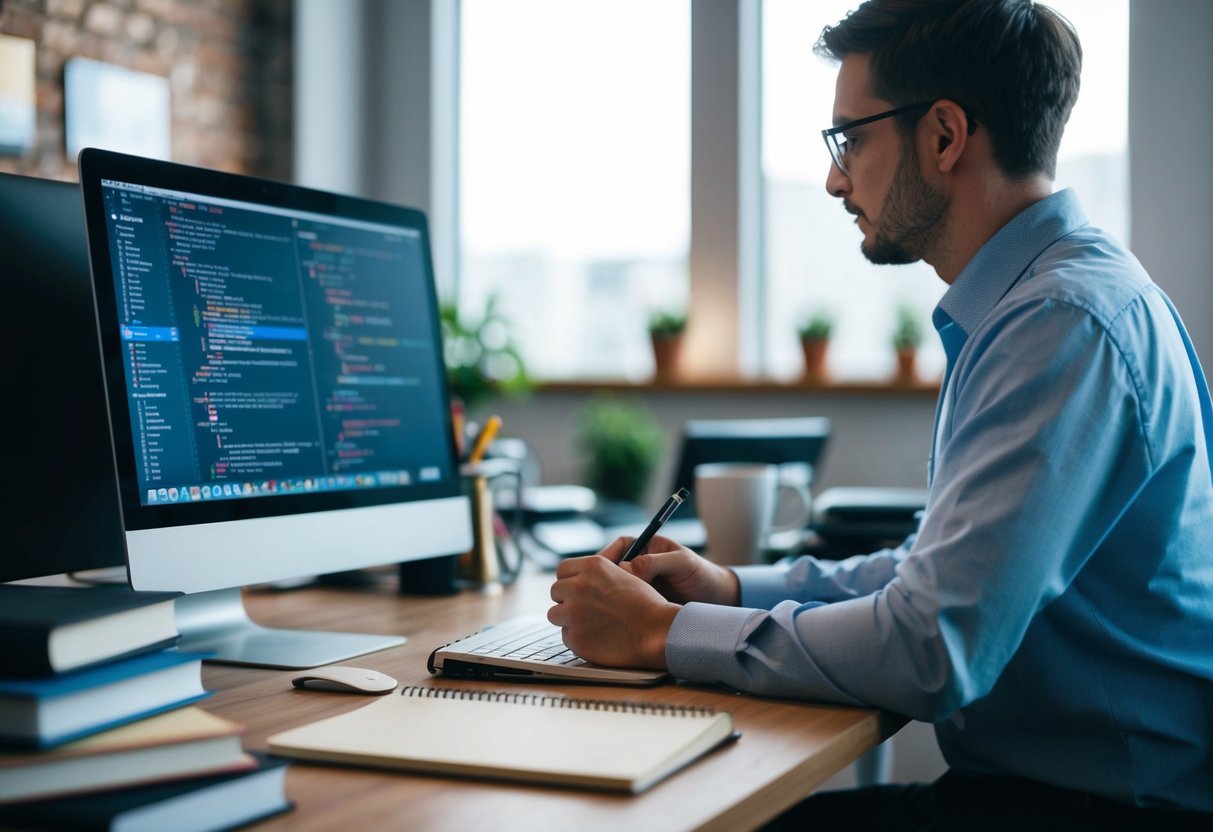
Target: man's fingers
{"type": "Point", "coordinates": [656, 564]}
{"type": "Point", "coordinates": [569, 567]}
{"type": "Point", "coordinates": [616, 548]}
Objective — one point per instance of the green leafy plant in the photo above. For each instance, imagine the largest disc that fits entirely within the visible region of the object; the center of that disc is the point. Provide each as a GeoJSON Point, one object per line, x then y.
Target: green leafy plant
{"type": "Point", "coordinates": [481, 358]}
{"type": "Point", "coordinates": [907, 331]}
{"type": "Point", "coordinates": [667, 323]}
{"type": "Point", "coordinates": [818, 327]}
{"type": "Point", "coordinates": [622, 443]}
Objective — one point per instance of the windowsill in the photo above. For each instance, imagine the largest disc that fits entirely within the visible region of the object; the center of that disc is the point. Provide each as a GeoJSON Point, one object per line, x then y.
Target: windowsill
{"type": "Point", "coordinates": [736, 385]}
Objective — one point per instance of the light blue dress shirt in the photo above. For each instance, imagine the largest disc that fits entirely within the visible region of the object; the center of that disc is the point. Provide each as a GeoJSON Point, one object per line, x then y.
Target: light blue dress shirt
{"type": "Point", "coordinates": [1053, 616]}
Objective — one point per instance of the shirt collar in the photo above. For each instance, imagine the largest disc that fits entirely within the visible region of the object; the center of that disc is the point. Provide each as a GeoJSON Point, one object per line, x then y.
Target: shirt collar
{"type": "Point", "coordinates": [1002, 261]}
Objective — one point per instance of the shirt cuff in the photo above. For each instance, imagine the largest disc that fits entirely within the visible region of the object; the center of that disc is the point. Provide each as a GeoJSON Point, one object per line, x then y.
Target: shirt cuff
{"type": "Point", "coordinates": [762, 587]}
{"type": "Point", "coordinates": [704, 638]}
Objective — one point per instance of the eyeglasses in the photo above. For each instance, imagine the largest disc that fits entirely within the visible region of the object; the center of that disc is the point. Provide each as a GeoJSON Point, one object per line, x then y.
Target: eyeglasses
{"type": "Point", "coordinates": [838, 144]}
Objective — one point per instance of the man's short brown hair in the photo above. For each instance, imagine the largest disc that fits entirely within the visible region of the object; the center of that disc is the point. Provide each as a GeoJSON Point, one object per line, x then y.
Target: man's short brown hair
{"type": "Point", "coordinates": [1013, 64]}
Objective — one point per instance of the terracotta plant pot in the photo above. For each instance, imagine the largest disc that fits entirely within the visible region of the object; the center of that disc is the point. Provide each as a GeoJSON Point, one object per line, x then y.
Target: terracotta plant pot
{"type": "Point", "coordinates": [666, 352]}
{"type": "Point", "coordinates": [907, 372]}
{"type": "Point", "coordinates": [815, 351]}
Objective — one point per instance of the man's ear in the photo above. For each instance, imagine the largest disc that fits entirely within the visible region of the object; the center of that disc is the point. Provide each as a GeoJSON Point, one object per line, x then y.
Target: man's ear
{"type": "Point", "coordinates": [948, 133]}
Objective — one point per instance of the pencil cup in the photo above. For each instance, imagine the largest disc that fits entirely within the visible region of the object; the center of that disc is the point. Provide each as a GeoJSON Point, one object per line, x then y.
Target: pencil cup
{"type": "Point", "coordinates": [480, 564]}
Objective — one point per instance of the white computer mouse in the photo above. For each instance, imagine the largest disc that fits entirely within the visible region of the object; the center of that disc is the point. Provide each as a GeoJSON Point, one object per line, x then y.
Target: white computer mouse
{"type": "Point", "coordinates": [345, 680]}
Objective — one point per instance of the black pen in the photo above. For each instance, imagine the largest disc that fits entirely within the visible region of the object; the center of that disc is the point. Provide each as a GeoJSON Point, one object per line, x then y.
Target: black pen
{"type": "Point", "coordinates": [663, 514]}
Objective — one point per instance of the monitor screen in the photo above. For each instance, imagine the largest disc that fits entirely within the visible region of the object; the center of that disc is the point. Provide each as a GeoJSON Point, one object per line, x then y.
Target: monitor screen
{"type": "Point", "coordinates": [274, 371]}
{"type": "Point", "coordinates": [61, 503]}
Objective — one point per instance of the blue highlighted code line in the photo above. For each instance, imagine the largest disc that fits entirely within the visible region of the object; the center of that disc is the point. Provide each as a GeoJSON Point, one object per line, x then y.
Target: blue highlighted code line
{"type": "Point", "coordinates": [150, 333]}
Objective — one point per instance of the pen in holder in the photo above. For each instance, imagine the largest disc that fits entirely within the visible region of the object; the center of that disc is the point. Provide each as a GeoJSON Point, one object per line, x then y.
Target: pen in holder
{"type": "Point", "coordinates": [481, 565]}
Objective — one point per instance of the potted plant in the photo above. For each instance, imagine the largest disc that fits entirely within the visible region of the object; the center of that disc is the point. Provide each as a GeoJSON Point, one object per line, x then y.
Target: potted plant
{"type": "Point", "coordinates": [665, 332]}
{"type": "Point", "coordinates": [622, 444]}
{"type": "Point", "coordinates": [907, 336]}
{"type": "Point", "coordinates": [815, 335]}
{"type": "Point", "coordinates": [481, 359]}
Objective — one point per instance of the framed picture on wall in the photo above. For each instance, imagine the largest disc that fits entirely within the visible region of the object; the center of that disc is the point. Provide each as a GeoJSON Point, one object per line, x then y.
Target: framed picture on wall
{"type": "Point", "coordinates": [116, 108]}
{"type": "Point", "coordinates": [17, 113]}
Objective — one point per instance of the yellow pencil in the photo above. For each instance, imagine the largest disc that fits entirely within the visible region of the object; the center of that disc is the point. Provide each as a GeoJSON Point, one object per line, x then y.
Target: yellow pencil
{"type": "Point", "coordinates": [457, 417]}
{"type": "Point", "coordinates": [486, 436]}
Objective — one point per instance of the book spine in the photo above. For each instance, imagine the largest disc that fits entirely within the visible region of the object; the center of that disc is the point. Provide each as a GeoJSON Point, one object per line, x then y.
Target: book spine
{"type": "Point", "coordinates": [26, 652]}
{"type": "Point", "coordinates": [546, 701]}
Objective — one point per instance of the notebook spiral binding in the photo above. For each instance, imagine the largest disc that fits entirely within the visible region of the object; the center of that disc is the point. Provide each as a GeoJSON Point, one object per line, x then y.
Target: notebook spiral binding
{"type": "Point", "coordinates": [543, 700]}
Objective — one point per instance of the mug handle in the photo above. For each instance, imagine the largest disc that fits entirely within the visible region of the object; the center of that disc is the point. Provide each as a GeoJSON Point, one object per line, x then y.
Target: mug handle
{"type": "Point", "coordinates": [803, 513]}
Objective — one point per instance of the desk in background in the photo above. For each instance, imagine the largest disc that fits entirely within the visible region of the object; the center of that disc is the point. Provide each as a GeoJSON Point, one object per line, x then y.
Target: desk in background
{"type": "Point", "coordinates": [785, 751]}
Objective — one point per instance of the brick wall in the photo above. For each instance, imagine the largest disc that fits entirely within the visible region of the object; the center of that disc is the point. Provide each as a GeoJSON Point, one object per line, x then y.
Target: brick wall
{"type": "Point", "coordinates": [228, 63]}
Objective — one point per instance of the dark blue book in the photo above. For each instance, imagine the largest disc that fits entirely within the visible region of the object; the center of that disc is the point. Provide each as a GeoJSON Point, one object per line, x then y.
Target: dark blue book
{"type": "Point", "coordinates": [55, 629]}
{"type": "Point", "coordinates": [45, 712]}
{"type": "Point", "coordinates": [204, 804]}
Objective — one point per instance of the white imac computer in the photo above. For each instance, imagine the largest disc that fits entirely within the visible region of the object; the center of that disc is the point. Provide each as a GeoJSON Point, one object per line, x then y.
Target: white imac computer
{"type": "Point", "coordinates": [276, 391]}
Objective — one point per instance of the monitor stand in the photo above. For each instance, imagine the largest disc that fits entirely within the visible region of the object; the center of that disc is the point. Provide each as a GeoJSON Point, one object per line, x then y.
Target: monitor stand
{"type": "Point", "coordinates": [216, 622]}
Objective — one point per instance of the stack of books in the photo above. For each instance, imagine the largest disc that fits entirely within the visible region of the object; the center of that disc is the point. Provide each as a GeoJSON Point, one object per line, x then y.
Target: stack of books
{"type": "Point", "coordinates": [97, 722]}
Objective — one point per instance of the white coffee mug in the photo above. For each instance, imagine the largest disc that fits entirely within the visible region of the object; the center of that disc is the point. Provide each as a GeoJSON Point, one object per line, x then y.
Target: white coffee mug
{"type": "Point", "coordinates": [737, 502]}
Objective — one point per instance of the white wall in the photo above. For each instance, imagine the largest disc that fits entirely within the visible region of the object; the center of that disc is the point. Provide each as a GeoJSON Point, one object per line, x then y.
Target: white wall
{"type": "Point", "coordinates": [329, 95]}
{"type": "Point", "coordinates": [362, 92]}
{"type": "Point", "coordinates": [1171, 154]}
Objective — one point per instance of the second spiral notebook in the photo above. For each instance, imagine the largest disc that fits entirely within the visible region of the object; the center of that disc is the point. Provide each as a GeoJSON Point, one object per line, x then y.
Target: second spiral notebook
{"type": "Point", "coordinates": [612, 745]}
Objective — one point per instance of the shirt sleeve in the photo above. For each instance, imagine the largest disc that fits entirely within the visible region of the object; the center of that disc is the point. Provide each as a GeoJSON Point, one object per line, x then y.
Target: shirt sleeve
{"type": "Point", "coordinates": [1045, 452]}
{"type": "Point", "coordinates": [810, 579]}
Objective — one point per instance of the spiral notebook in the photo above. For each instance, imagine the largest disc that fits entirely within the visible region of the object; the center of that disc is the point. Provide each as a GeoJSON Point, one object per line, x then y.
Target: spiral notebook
{"type": "Point", "coordinates": [611, 745]}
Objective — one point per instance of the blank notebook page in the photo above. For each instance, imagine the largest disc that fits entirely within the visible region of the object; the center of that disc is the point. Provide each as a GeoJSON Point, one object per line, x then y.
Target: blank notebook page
{"type": "Point", "coordinates": [549, 739]}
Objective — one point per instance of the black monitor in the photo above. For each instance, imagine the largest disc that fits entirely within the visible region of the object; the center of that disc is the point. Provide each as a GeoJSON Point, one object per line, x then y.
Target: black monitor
{"type": "Point", "coordinates": [794, 443]}
{"type": "Point", "coordinates": [60, 501]}
{"type": "Point", "coordinates": [276, 388]}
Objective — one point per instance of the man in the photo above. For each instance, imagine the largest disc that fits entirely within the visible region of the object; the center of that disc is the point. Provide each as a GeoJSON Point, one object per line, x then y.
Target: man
{"type": "Point", "coordinates": [1053, 616]}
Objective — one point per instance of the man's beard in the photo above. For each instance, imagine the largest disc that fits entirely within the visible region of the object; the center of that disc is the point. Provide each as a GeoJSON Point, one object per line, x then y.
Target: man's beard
{"type": "Point", "coordinates": [911, 217]}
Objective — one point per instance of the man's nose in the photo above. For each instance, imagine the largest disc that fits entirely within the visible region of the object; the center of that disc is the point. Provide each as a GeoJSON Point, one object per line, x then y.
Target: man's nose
{"type": "Point", "coordinates": [837, 183]}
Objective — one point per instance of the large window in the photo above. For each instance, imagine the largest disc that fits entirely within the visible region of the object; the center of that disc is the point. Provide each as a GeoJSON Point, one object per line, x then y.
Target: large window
{"type": "Point", "coordinates": [574, 175]}
{"type": "Point", "coordinates": [812, 255]}
{"type": "Point", "coordinates": [574, 182]}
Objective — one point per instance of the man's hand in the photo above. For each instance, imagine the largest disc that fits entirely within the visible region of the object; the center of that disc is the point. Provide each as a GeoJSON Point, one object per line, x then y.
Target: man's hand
{"type": "Point", "coordinates": [608, 616]}
{"type": "Point", "coordinates": [611, 615]}
{"type": "Point", "coordinates": [678, 573]}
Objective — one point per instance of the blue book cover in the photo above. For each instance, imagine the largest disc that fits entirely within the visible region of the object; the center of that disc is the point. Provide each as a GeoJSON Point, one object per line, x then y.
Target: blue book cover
{"type": "Point", "coordinates": [49, 711]}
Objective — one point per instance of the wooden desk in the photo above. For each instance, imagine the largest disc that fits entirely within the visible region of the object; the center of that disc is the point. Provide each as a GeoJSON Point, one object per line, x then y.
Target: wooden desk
{"type": "Point", "coordinates": [785, 751]}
